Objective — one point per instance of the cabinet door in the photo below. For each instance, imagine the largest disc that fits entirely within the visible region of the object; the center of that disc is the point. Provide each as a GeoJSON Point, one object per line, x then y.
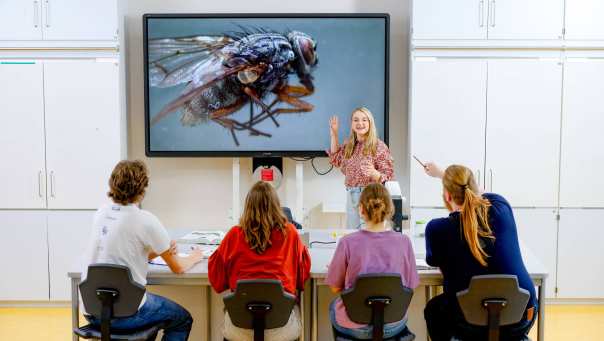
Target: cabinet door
{"type": "Point", "coordinates": [82, 131]}
{"type": "Point", "coordinates": [80, 20]}
{"type": "Point", "coordinates": [538, 230]}
{"type": "Point", "coordinates": [23, 256]}
{"type": "Point", "coordinates": [583, 19]}
{"type": "Point", "coordinates": [581, 181]}
{"type": "Point", "coordinates": [447, 121]}
{"type": "Point", "coordinates": [20, 20]}
{"type": "Point", "coordinates": [523, 131]}
{"type": "Point", "coordinates": [22, 173]}
{"type": "Point", "coordinates": [522, 19]}
{"type": "Point", "coordinates": [68, 235]}
{"type": "Point", "coordinates": [445, 19]}
{"type": "Point", "coordinates": [580, 255]}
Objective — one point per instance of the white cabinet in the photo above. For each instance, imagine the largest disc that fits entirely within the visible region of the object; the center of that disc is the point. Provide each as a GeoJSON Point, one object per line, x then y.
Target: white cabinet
{"type": "Point", "coordinates": [580, 253]}
{"type": "Point", "coordinates": [581, 180]}
{"type": "Point", "coordinates": [58, 113]}
{"type": "Point", "coordinates": [488, 19]}
{"type": "Point", "coordinates": [526, 19]}
{"type": "Point", "coordinates": [80, 20]}
{"type": "Point", "coordinates": [583, 19]}
{"type": "Point", "coordinates": [23, 256]}
{"type": "Point", "coordinates": [22, 171]}
{"type": "Point", "coordinates": [523, 130]}
{"type": "Point", "coordinates": [537, 229]}
{"type": "Point", "coordinates": [455, 109]}
{"type": "Point", "coordinates": [447, 121]}
{"type": "Point", "coordinates": [58, 20]}
{"type": "Point", "coordinates": [445, 19]}
{"type": "Point", "coordinates": [20, 20]}
{"type": "Point", "coordinates": [68, 234]}
{"type": "Point", "coordinates": [82, 131]}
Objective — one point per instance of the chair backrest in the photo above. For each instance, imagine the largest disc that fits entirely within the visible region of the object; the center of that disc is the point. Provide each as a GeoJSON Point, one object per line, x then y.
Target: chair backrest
{"type": "Point", "coordinates": [369, 286]}
{"type": "Point", "coordinates": [259, 291]}
{"type": "Point", "coordinates": [472, 301]}
{"type": "Point", "coordinates": [288, 214]}
{"type": "Point", "coordinates": [115, 278]}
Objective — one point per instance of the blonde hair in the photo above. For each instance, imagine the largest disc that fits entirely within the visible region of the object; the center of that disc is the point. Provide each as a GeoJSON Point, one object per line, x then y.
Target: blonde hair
{"type": "Point", "coordinates": [262, 213]}
{"type": "Point", "coordinates": [371, 140]}
{"type": "Point", "coordinates": [128, 182]}
{"type": "Point", "coordinates": [376, 203]}
{"type": "Point", "coordinates": [459, 182]}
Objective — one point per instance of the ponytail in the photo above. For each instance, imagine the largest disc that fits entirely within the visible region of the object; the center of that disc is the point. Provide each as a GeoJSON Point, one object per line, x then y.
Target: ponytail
{"type": "Point", "coordinates": [376, 203]}
{"type": "Point", "coordinates": [459, 182]}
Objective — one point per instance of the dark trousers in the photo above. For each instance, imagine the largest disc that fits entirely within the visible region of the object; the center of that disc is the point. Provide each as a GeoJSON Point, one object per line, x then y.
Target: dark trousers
{"type": "Point", "coordinates": [444, 320]}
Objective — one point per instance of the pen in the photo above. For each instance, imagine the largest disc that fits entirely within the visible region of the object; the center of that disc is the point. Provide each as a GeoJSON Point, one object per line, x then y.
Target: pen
{"type": "Point", "coordinates": [421, 163]}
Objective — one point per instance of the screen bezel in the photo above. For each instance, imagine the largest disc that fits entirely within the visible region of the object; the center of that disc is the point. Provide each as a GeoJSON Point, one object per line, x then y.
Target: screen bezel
{"type": "Point", "coordinates": [268, 153]}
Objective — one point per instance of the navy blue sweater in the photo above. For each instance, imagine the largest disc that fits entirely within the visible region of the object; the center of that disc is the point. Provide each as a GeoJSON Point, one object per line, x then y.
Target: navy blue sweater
{"type": "Point", "coordinates": [447, 249]}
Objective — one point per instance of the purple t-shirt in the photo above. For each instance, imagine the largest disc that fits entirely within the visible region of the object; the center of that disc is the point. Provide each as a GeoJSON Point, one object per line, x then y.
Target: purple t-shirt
{"type": "Point", "coordinates": [365, 252]}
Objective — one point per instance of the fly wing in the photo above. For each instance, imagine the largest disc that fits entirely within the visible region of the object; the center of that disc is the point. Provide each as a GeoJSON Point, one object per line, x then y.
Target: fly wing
{"type": "Point", "coordinates": [174, 61]}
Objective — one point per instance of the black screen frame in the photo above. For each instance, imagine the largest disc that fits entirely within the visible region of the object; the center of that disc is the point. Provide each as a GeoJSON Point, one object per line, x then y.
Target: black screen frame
{"type": "Point", "coordinates": [268, 153]}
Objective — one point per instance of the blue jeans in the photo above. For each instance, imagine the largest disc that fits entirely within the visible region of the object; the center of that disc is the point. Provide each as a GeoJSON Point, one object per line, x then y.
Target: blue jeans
{"type": "Point", "coordinates": [176, 320]}
{"type": "Point", "coordinates": [365, 333]}
{"type": "Point", "coordinates": [353, 219]}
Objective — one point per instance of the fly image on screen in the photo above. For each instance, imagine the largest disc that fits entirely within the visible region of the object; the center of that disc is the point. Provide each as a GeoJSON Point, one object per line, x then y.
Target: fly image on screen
{"type": "Point", "coordinates": [233, 85]}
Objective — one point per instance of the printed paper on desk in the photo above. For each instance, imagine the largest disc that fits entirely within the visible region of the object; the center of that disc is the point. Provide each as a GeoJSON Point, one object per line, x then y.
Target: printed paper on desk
{"type": "Point", "coordinates": [203, 237]}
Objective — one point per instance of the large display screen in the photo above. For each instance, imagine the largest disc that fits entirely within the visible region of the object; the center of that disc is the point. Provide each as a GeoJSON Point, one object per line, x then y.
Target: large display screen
{"type": "Point", "coordinates": [260, 85]}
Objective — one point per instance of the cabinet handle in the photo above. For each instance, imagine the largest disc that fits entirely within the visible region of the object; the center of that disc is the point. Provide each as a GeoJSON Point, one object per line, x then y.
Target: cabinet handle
{"type": "Point", "coordinates": [478, 177]}
{"type": "Point", "coordinates": [47, 13]}
{"type": "Point", "coordinates": [36, 14]}
{"type": "Point", "coordinates": [52, 184]}
{"type": "Point", "coordinates": [40, 184]}
{"type": "Point", "coordinates": [491, 184]}
{"type": "Point", "coordinates": [492, 16]}
{"type": "Point", "coordinates": [481, 13]}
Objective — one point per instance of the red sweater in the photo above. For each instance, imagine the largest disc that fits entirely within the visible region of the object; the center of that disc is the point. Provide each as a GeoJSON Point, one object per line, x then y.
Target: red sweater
{"type": "Point", "coordinates": [287, 260]}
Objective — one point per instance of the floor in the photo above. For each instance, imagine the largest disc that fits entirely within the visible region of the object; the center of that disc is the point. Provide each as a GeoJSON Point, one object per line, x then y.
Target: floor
{"type": "Point", "coordinates": [564, 322]}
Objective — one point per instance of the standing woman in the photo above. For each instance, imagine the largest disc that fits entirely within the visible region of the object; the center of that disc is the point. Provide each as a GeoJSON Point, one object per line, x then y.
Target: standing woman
{"type": "Point", "coordinates": [363, 158]}
{"type": "Point", "coordinates": [479, 237]}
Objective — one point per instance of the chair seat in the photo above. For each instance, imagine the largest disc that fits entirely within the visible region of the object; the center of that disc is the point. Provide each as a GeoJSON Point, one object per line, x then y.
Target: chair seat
{"type": "Point", "coordinates": [404, 335]}
{"type": "Point", "coordinates": [91, 332]}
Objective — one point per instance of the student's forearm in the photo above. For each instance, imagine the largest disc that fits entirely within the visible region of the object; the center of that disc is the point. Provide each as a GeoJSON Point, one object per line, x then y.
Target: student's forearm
{"type": "Point", "coordinates": [152, 255]}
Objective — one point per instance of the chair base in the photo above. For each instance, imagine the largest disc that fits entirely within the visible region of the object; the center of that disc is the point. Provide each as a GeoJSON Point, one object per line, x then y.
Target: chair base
{"type": "Point", "coordinates": [91, 332]}
{"type": "Point", "coordinates": [404, 335]}
{"type": "Point", "coordinates": [454, 338]}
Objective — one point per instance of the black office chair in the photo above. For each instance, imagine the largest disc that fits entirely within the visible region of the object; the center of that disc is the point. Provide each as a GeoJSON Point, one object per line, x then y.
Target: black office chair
{"type": "Point", "coordinates": [493, 301]}
{"type": "Point", "coordinates": [377, 299]}
{"type": "Point", "coordinates": [259, 304]}
{"type": "Point", "coordinates": [109, 292]}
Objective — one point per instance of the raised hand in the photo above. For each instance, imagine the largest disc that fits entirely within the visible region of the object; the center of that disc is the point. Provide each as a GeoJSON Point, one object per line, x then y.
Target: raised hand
{"type": "Point", "coordinates": [433, 170]}
{"type": "Point", "coordinates": [333, 126]}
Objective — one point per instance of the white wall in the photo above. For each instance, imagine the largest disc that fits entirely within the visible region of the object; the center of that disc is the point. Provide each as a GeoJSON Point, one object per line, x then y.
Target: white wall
{"type": "Point", "coordinates": [196, 192]}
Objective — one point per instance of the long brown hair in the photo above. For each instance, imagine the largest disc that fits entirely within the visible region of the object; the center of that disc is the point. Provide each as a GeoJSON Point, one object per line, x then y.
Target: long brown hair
{"type": "Point", "coordinates": [459, 182]}
{"type": "Point", "coordinates": [262, 213]}
{"type": "Point", "coordinates": [371, 140]}
{"type": "Point", "coordinates": [128, 182]}
{"type": "Point", "coordinates": [376, 203]}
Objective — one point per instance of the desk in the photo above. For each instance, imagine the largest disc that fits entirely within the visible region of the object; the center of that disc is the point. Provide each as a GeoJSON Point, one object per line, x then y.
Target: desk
{"type": "Point", "coordinates": [198, 276]}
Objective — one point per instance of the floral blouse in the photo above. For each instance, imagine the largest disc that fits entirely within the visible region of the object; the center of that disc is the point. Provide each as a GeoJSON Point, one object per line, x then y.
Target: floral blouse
{"type": "Point", "coordinates": [354, 168]}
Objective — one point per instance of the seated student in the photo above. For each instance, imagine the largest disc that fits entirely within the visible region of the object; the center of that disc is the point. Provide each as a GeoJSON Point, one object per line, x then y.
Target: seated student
{"type": "Point", "coordinates": [263, 246]}
{"type": "Point", "coordinates": [124, 234]}
{"type": "Point", "coordinates": [374, 249]}
{"type": "Point", "coordinates": [479, 237]}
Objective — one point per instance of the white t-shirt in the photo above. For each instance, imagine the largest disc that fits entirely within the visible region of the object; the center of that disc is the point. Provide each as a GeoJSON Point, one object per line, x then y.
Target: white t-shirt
{"type": "Point", "coordinates": [125, 235]}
